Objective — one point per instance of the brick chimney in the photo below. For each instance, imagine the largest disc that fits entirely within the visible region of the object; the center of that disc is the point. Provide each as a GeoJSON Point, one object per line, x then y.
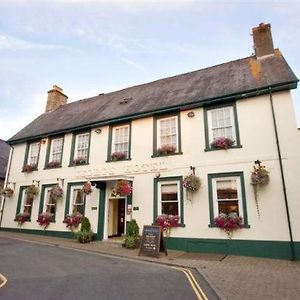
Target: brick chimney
{"type": "Point", "coordinates": [56, 98]}
{"type": "Point", "coordinates": [262, 38]}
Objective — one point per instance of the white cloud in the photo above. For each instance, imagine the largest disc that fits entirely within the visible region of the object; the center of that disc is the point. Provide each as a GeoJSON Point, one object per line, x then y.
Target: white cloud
{"type": "Point", "coordinates": [133, 64]}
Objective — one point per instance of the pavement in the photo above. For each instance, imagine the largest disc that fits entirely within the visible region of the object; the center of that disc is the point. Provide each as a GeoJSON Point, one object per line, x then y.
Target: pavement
{"type": "Point", "coordinates": [231, 277]}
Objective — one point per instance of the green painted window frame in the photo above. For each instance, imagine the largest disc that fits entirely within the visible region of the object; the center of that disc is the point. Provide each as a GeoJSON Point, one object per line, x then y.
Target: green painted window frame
{"type": "Point", "coordinates": [20, 200]}
{"type": "Point", "coordinates": [236, 125]}
{"type": "Point", "coordinates": [74, 135]}
{"type": "Point", "coordinates": [110, 138]}
{"type": "Point", "coordinates": [155, 196]}
{"type": "Point", "coordinates": [42, 199]}
{"type": "Point", "coordinates": [27, 153]}
{"type": "Point", "coordinates": [68, 196]}
{"type": "Point", "coordinates": [212, 215]}
{"type": "Point", "coordinates": [155, 134]}
{"type": "Point", "coordinates": [49, 148]}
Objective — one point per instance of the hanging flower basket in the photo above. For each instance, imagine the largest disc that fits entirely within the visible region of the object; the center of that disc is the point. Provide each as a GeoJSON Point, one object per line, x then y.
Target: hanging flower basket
{"type": "Point", "coordinates": [44, 219]}
{"type": "Point", "coordinates": [166, 149]}
{"type": "Point", "coordinates": [122, 188]}
{"type": "Point", "coordinates": [29, 168]}
{"type": "Point", "coordinates": [166, 222]}
{"type": "Point", "coordinates": [72, 221]}
{"type": "Point", "coordinates": [259, 178]}
{"type": "Point", "coordinates": [191, 183]}
{"type": "Point", "coordinates": [32, 190]}
{"type": "Point", "coordinates": [229, 223]}
{"type": "Point", "coordinates": [87, 188]}
{"type": "Point", "coordinates": [21, 218]}
{"type": "Point", "coordinates": [222, 143]}
{"type": "Point", "coordinates": [8, 192]}
{"type": "Point", "coordinates": [57, 193]}
{"type": "Point", "coordinates": [118, 156]}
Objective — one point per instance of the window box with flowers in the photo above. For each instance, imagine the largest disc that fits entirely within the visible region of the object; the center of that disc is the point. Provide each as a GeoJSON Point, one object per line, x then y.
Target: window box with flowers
{"type": "Point", "coordinates": [29, 168]}
{"type": "Point", "coordinates": [79, 161]}
{"type": "Point", "coordinates": [166, 222]}
{"type": "Point", "coordinates": [53, 165]}
{"type": "Point", "coordinates": [229, 223]}
{"type": "Point", "coordinates": [72, 221]}
{"type": "Point", "coordinates": [259, 178]}
{"type": "Point", "coordinates": [21, 218]}
{"type": "Point", "coordinates": [122, 188]}
{"type": "Point", "coordinates": [44, 219]}
{"type": "Point", "coordinates": [166, 150]}
{"type": "Point", "coordinates": [222, 143]}
{"type": "Point", "coordinates": [116, 156]}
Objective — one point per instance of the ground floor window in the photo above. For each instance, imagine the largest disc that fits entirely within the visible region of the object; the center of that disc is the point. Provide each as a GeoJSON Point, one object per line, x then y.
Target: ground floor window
{"type": "Point", "coordinates": [168, 197]}
{"type": "Point", "coordinates": [227, 195]}
{"type": "Point", "coordinates": [25, 202]}
{"type": "Point", "coordinates": [77, 200]}
{"type": "Point", "coordinates": [48, 203]}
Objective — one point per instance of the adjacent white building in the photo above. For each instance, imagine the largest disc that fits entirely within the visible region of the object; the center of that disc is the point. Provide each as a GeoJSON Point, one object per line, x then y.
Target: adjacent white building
{"type": "Point", "coordinates": [247, 100]}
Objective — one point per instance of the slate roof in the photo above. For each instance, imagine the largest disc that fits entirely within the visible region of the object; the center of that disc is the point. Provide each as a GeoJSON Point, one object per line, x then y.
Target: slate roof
{"type": "Point", "coordinates": [4, 155]}
{"type": "Point", "coordinates": [195, 88]}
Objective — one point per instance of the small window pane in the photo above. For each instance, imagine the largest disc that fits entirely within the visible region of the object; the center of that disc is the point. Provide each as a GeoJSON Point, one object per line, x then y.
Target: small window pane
{"type": "Point", "coordinates": [170, 208]}
{"type": "Point", "coordinates": [227, 189]}
{"type": "Point", "coordinates": [227, 207]}
{"type": "Point", "coordinates": [169, 192]}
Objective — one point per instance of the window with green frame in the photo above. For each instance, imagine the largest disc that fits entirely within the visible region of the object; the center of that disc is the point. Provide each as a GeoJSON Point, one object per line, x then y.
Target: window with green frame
{"type": "Point", "coordinates": [166, 135]}
{"type": "Point", "coordinates": [227, 195]}
{"type": "Point", "coordinates": [25, 202]}
{"type": "Point", "coordinates": [80, 149]}
{"type": "Point", "coordinates": [119, 143]}
{"type": "Point", "coordinates": [32, 154]}
{"type": "Point", "coordinates": [75, 199]}
{"type": "Point", "coordinates": [54, 152]}
{"type": "Point", "coordinates": [221, 122]}
{"type": "Point", "coordinates": [47, 202]}
{"type": "Point", "coordinates": [168, 197]}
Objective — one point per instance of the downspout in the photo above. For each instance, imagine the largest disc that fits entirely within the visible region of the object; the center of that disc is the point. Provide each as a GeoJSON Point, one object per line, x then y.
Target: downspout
{"type": "Point", "coordinates": [292, 246]}
{"type": "Point", "coordinates": [6, 181]}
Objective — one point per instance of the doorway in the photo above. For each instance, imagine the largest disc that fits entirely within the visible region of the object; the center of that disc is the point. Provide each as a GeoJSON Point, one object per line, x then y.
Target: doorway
{"type": "Point", "coordinates": [116, 217]}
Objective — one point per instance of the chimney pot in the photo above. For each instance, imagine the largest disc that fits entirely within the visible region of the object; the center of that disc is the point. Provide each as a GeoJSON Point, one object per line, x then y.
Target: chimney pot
{"type": "Point", "coordinates": [262, 38]}
{"type": "Point", "coordinates": [56, 98]}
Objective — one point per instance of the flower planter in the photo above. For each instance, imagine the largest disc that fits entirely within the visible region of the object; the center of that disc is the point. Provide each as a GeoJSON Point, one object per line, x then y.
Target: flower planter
{"type": "Point", "coordinates": [222, 143]}
{"type": "Point", "coordinates": [166, 150]}
{"type": "Point", "coordinates": [118, 156]}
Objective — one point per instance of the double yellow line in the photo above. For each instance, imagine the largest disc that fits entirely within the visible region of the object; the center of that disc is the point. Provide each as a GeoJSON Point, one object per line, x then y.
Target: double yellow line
{"type": "Point", "coordinates": [193, 282]}
{"type": "Point", "coordinates": [3, 279]}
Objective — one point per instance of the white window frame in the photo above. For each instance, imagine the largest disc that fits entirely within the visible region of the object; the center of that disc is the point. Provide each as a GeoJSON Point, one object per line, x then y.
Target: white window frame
{"type": "Point", "coordinates": [232, 119]}
{"type": "Point", "coordinates": [76, 145]}
{"type": "Point", "coordinates": [46, 198]}
{"type": "Point", "coordinates": [52, 149]}
{"type": "Point", "coordinates": [159, 190]}
{"type": "Point", "coordinates": [159, 144]}
{"type": "Point", "coordinates": [239, 191]}
{"type": "Point", "coordinates": [30, 157]}
{"type": "Point", "coordinates": [24, 197]}
{"type": "Point", "coordinates": [113, 144]}
{"type": "Point", "coordinates": [72, 197]}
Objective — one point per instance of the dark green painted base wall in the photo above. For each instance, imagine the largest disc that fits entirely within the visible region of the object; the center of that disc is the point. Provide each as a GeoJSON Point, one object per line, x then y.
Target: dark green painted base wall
{"type": "Point", "coordinates": [268, 249]}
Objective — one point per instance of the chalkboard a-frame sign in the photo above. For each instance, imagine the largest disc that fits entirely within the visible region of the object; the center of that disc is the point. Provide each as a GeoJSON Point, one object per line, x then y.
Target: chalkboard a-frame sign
{"type": "Point", "coordinates": [152, 241]}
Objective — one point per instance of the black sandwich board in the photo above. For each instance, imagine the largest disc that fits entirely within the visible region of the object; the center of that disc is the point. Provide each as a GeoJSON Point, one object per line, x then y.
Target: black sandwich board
{"type": "Point", "coordinates": [152, 241]}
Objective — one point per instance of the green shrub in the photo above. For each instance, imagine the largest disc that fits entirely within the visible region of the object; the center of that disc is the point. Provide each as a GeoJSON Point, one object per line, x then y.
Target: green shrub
{"type": "Point", "coordinates": [85, 235]}
{"type": "Point", "coordinates": [85, 224]}
{"type": "Point", "coordinates": [132, 228]}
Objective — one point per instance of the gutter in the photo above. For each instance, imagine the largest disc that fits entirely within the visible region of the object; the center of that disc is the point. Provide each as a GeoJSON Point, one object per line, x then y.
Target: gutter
{"type": "Point", "coordinates": [6, 181]}
{"type": "Point", "coordinates": [292, 245]}
{"type": "Point", "coordinates": [191, 105]}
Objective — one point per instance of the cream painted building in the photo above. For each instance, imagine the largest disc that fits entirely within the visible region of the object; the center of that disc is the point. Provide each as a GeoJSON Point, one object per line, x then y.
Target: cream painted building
{"type": "Point", "coordinates": [247, 100]}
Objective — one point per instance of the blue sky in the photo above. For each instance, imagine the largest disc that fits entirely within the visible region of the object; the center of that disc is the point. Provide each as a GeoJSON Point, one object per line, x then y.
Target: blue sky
{"type": "Point", "coordinates": [89, 46]}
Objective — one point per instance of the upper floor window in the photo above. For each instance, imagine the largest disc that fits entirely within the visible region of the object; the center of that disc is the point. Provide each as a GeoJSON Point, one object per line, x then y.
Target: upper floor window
{"type": "Point", "coordinates": [221, 127]}
{"type": "Point", "coordinates": [119, 145]}
{"type": "Point", "coordinates": [55, 152]}
{"type": "Point", "coordinates": [227, 195]}
{"type": "Point", "coordinates": [32, 157]}
{"type": "Point", "coordinates": [167, 136]}
{"type": "Point", "coordinates": [81, 143]}
{"type": "Point", "coordinates": [168, 197]}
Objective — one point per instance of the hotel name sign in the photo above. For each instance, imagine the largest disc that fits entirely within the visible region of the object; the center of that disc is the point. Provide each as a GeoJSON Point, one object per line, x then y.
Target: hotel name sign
{"type": "Point", "coordinates": [124, 170]}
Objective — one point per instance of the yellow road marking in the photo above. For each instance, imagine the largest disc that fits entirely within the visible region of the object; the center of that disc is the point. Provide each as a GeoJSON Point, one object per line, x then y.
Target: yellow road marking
{"type": "Point", "coordinates": [194, 284]}
{"type": "Point", "coordinates": [3, 279]}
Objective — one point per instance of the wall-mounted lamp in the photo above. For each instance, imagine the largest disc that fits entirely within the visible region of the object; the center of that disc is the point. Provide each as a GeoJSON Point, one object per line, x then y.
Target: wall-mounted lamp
{"type": "Point", "coordinates": [98, 130]}
{"type": "Point", "coordinates": [191, 114]}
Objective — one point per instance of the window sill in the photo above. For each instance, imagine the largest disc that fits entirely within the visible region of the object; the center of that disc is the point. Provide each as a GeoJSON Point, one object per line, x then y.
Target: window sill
{"type": "Point", "coordinates": [215, 149]}
{"type": "Point", "coordinates": [72, 165]}
{"type": "Point", "coordinates": [29, 220]}
{"type": "Point", "coordinates": [49, 168]}
{"type": "Point", "coordinates": [170, 154]}
{"type": "Point", "coordinates": [118, 160]}
{"type": "Point", "coordinates": [214, 226]}
{"type": "Point", "coordinates": [179, 225]}
{"type": "Point", "coordinates": [29, 172]}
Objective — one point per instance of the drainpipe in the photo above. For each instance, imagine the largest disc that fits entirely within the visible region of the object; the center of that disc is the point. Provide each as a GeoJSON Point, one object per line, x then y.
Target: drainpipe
{"type": "Point", "coordinates": [6, 181]}
{"type": "Point", "coordinates": [292, 246]}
